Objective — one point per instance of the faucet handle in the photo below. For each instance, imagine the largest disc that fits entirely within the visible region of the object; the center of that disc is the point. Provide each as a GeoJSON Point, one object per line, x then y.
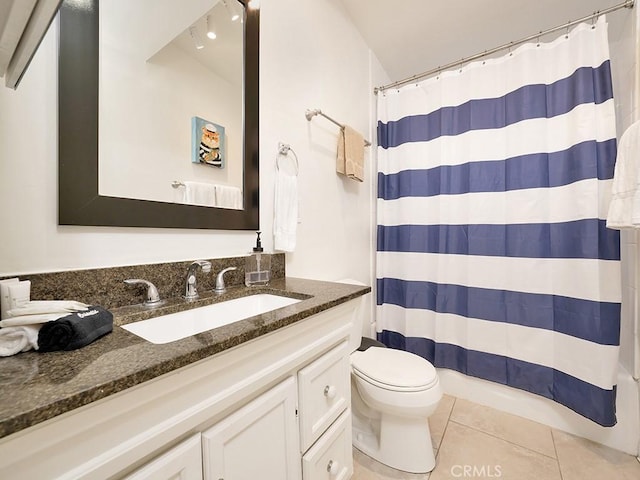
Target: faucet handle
{"type": "Point", "coordinates": [204, 264]}
{"type": "Point", "coordinates": [220, 286]}
{"type": "Point", "coordinates": [153, 297]}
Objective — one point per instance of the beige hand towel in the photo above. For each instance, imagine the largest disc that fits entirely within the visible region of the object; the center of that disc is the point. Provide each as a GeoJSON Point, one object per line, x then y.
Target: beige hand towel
{"type": "Point", "coordinates": [350, 158]}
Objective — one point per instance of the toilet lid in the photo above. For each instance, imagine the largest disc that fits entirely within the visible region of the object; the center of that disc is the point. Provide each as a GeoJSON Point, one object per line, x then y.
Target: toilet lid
{"type": "Point", "coordinates": [394, 368]}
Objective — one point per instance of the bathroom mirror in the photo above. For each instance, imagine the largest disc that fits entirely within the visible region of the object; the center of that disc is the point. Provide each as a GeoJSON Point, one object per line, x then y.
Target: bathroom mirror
{"type": "Point", "coordinates": [80, 198]}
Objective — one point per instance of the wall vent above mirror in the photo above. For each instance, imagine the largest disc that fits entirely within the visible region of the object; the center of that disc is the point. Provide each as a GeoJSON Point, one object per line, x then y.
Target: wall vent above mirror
{"type": "Point", "coordinates": [80, 201]}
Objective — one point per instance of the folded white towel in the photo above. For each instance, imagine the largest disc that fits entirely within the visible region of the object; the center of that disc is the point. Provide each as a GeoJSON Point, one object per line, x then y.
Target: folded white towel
{"type": "Point", "coordinates": [36, 307]}
{"type": "Point", "coordinates": [5, 300]}
{"type": "Point", "coordinates": [228, 197]}
{"type": "Point", "coordinates": [19, 295]}
{"type": "Point", "coordinates": [624, 209]}
{"type": "Point", "coordinates": [37, 319]}
{"type": "Point", "coordinates": [18, 339]}
{"type": "Point", "coordinates": [285, 216]}
{"type": "Point", "coordinates": [198, 193]}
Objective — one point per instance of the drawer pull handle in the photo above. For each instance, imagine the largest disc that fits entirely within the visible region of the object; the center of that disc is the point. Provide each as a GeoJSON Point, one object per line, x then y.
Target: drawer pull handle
{"type": "Point", "coordinates": [330, 391]}
{"type": "Point", "coordinates": [332, 467]}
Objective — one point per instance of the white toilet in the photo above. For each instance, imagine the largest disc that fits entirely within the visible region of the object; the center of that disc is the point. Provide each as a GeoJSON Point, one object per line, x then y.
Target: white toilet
{"type": "Point", "coordinates": [393, 393]}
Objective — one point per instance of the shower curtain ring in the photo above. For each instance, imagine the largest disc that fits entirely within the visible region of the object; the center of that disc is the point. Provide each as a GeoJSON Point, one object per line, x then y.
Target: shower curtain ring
{"type": "Point", "coordinates": [538, 41]}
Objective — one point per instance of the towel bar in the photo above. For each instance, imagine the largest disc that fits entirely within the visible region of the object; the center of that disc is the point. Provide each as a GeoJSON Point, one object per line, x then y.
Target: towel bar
{"type": "Point", "coordinates": [309, 114]}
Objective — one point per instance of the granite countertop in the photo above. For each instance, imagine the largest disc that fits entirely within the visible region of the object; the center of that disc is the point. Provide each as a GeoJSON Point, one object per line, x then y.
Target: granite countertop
{"type": "Point", "coordinates": [39, 386]}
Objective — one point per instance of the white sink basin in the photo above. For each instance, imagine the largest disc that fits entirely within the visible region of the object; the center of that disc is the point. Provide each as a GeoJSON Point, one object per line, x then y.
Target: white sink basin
{"type": "Point", "coordinates": [175, 326]}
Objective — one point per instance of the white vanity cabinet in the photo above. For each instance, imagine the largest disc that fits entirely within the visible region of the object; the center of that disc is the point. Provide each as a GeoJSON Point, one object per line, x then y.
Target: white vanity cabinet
{"type": "Point", "coordinates": [273, 408]}
{"type": "Point", "coordinates": [258, 441]}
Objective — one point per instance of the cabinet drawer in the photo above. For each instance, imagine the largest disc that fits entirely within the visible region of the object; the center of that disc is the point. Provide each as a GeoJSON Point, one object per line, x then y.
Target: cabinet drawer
{"type": "Point", "coordinates": [331, 458]}
{"type": "Point", "coordinates": [324, 393]}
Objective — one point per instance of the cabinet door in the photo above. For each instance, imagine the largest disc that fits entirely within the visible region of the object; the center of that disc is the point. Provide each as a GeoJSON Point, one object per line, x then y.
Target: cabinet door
{"type": "Point", "coordinates": [182, 462]}
{"type": "Point", "coordinates": [259, 441]}
{"type": "Point", "coordinates": [324, 391]}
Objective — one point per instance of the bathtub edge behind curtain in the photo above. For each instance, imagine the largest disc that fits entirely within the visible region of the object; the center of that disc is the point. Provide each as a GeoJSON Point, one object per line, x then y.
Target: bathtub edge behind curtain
{"type": "Point", "coordinates": [493, 256]}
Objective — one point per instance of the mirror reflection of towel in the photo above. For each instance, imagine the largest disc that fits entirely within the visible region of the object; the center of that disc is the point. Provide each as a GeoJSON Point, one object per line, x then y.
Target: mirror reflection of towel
{"type": "Point", "coordinates": [198, 193]}
{"type": "Point", "coordinates": [350, 157]}
{"type": "Point", "coordinates": [228, 197]}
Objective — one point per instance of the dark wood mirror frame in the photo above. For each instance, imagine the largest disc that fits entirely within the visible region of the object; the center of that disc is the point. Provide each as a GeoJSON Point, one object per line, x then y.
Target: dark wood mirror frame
{"type": "Point", "coordinates": [79, 202]}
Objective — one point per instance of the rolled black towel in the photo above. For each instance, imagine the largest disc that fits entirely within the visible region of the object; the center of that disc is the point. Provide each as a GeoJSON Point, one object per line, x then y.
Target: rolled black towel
{"type": "Point", "coordinates": [75, 330]}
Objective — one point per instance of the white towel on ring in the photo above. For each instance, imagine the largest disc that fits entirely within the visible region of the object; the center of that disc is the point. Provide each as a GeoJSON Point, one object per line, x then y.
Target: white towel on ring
{"type": "Point", "coordinates": [18, 339]}
{"type": "Point", "coordinates": [285, 216]}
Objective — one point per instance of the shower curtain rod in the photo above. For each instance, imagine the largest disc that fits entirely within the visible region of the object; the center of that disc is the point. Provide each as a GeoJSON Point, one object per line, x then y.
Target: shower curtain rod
{"type": "Point", "coordinates": [627, 4]}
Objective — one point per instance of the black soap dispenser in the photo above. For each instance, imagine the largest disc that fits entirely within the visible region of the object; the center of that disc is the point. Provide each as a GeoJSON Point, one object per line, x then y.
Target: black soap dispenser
{"type": "Point", "coordinates": [257, 269]}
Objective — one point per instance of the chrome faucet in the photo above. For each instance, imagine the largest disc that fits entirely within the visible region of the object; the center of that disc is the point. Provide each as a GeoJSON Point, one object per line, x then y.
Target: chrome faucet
{"type": "Point", "coordinates": [191, 289]}
{"type": "Point", "coordinates": [153, 297]}
{"type": "Point", "coordinates": [220, 286]}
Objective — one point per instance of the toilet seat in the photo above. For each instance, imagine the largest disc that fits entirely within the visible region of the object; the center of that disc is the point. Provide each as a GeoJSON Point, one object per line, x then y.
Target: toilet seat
{"type": "Point", "coordinates": [394, 370]}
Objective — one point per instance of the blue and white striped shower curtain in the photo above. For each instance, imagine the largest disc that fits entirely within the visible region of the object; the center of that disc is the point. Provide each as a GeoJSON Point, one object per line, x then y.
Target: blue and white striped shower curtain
{"type": "Point", "coordinates": [493, 256]}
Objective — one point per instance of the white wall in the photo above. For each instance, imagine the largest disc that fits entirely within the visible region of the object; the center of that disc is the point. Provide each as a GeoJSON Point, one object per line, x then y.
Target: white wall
{"type": "Point", "coordinates": [310, 58]}
{"type": "Point", "coordinates": [317, 60]}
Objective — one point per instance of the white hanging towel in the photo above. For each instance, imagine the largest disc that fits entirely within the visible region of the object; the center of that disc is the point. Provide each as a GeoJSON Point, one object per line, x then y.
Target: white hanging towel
{"type": "Point", "coordinates": [624, 209]}
{"type": "Point", "coordinates": [228, 197]}
{"type": "Point", "coordinates": [285, 217]}
{"type": "Point", "coordinates": [198, 193]}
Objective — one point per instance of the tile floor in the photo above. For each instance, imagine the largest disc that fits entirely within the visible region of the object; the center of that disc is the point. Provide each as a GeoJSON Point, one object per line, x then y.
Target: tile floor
{"type": "Point", "coordinates": [477, 442]}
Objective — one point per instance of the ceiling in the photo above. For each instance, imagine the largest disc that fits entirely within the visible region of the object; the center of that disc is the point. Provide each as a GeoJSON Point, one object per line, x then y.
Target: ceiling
{"type": "Point", "coordinates": [412, 36]}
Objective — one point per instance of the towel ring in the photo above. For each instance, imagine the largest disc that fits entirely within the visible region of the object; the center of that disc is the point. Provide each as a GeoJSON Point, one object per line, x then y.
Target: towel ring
{"type": "Point", "coordinates": [283, 150]}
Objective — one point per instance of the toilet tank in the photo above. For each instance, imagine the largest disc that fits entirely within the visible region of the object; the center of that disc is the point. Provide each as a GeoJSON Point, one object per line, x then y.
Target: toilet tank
{"type": "Point", "coordinates": [362, 318]}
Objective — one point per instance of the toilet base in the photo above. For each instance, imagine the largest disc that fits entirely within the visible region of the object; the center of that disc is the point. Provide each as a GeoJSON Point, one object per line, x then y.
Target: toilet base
{"type": "Point", "coordinates": [398, 442]}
